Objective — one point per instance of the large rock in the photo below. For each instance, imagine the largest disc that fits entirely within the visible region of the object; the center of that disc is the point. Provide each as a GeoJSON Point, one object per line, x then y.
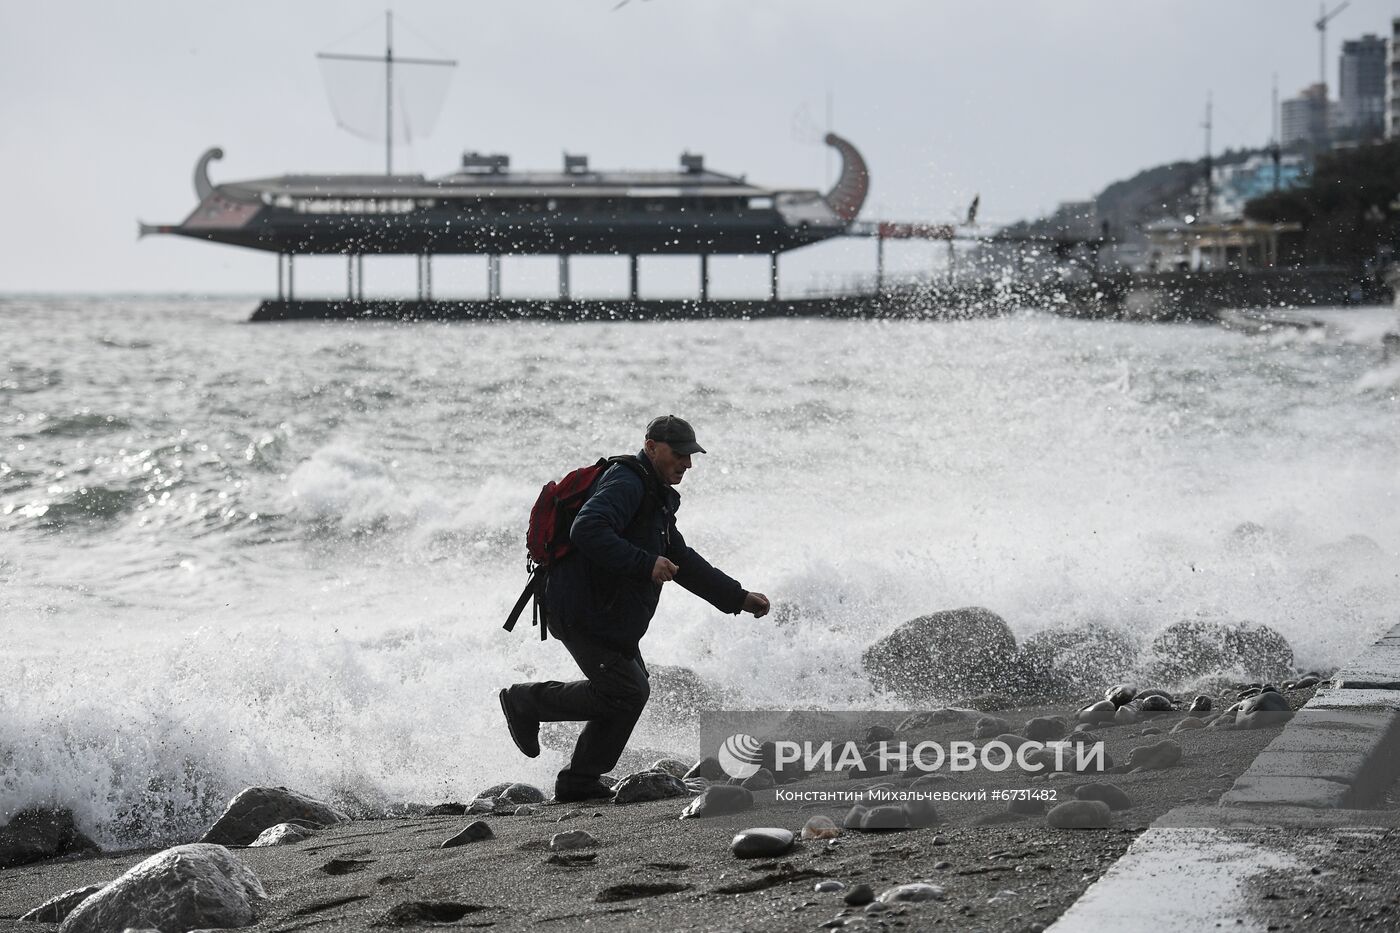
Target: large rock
{"type": "Point", "coordinates": [959, 652]}
{"type": "Point", "coordinates": [649, 785]}
{"type": "Point", "coordinates": [1196, 648]}
{"type": "Point", "coordinates": [57, 908]}
{"type": "Point", "coordinates": [36, 834]}
{"type": "Point", "coordinates": [1077, 658]}
{"type": "Point", "coordinates": [258, 808]}
{"type": "Point", "coordinates": [189, 887]}
{"type": "Point", "coordinates": [679, 695]}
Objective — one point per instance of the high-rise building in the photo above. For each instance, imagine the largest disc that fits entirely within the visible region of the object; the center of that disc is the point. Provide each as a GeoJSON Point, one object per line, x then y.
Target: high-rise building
{"type": "Point", "coordinates": [1392, 83]}
{"type": "Point", "coordinates": [1362, 68]}
{"type": "Point", "coordinates": [1303, 118]}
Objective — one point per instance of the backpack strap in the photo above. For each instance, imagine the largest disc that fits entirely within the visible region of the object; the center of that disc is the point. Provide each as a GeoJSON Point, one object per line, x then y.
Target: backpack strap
{"type": "Point", "coordinates": [534, 587]}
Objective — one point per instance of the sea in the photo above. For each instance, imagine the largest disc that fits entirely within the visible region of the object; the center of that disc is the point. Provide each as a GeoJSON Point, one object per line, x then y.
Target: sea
{"type": "Point", "coordinates": [237, 554]}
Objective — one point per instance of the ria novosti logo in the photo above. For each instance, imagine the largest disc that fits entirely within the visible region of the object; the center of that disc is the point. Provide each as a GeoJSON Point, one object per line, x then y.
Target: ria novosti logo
{"type": "Point", "coordinates": [741, 755]}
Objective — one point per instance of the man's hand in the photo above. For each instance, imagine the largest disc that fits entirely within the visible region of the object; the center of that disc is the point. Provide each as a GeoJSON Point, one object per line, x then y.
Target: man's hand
{"type": "Point", "coordinates": [663, 571]}
{"type": "Point", "coordinates": [756, 603]}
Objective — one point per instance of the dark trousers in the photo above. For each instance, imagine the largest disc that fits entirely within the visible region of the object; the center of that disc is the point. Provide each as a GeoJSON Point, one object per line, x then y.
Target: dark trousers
{"type": "Point", "coordinates": [611, 700]}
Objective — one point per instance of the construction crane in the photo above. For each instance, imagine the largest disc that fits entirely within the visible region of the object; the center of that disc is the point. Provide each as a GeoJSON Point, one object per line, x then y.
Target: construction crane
{"type": "Point", "coordinates": [1323, 18]}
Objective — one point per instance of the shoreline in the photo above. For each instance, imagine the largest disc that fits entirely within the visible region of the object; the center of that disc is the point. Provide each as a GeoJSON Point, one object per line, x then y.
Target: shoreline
{"type": "Point", "coordinates": [976, 851]}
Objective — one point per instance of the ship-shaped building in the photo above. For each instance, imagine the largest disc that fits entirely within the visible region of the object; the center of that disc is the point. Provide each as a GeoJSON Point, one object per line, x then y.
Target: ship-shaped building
{"type": "Point", "coordinates": [486, 208]}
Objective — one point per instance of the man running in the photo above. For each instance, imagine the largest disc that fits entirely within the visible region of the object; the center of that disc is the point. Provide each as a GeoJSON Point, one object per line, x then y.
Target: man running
{"type": "Point", "coordinates": [599, 603]}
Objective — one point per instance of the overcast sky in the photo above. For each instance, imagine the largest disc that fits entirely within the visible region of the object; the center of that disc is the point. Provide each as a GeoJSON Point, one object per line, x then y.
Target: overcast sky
{"type": "Point", "coordinates": [107, 105]}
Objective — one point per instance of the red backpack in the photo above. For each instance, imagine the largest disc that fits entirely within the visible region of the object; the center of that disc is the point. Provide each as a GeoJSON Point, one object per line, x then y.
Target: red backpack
{"type": "Point", "coordinates": [547, 539]}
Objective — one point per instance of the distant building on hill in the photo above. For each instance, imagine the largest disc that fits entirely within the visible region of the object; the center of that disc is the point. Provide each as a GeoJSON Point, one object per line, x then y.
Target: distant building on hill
{"type": "Point", "coordinates": [1392, 83]}
{"type": "Point", "coordinates": [1238, 183]}
{"type": "Point", "coordinates": [1362, 69]}
{"type": "Point", "coordinates": [1303, 118]}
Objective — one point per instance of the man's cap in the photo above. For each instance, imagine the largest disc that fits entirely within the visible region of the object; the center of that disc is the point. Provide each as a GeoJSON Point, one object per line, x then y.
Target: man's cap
{"type": "Point", "coordinates": [674, 431]}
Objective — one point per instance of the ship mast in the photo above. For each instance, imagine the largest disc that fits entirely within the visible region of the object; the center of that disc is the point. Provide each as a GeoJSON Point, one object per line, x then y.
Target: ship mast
{"type": "Point", "coordinates": [389, 61]}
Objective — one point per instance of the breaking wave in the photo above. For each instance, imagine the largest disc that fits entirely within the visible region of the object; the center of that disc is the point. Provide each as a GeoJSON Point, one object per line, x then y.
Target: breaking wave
{"type": "Point", "coordinates": [291, 560]}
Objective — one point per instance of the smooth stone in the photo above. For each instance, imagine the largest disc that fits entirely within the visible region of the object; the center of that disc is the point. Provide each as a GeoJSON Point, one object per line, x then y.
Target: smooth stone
{"type": "Point", "coordinates": [672, 766]}
{"type": "Point", "coordinates": [36, 834]}
{"type": "Point", "coordinates": [254, 809]}
{"type": "Point", "coordinates": [1307, 680]}
{"type": "Point", "coordinates": [912, 894]}
{"type": "Point", "coordinates": [523, 793]}
{"type": "Point", "coordinates": [1201, 704]}
{"type": "Point", "coordinates": [1104, 792]}
{"type": "Point", "coordinates": [860, 895]}
{"type": "Point", "coordinates": [1151, 730]}
{"type": "Point", "coordinates": [990, 726]}
{"type": "Point", "coordinates": [820, 827]}
{"type": "Point", "coordinates": [1028, 806]}
{"type": "Point", "coordinates": [931, 781]}
{"type": "Point", "coordinates": [1011, 740]}
{"type": "Point", "coordinates": [878, 734]}
{"type": "Point", "coordinates": [1187, 724]}
{"type": "Point", "coordinates": [446, 809]}
{"type": "Point", "coordinates": [190, 887]}
{"type": "Point", "coordinates": [58, 907]}
{"type": "Point", "coordinates": [476, 831]}
{"type": "Point", "coordinates": [855, 817]}
{"type": "Point", "coordinates": [762, 779]}
{"type": "Point", "coordinates": [1264, 710]}
{"type": "Point", "coordinates": [1080, 814]}
{"type": "Point", "coordinates": [573, 839]}
{"type": "Point", "coordinates": [1095, 713]}
{"type": "Point", "coordinates": [1120, 694]}
{"type": "Point", "coordinates": [1164, 754]}
{"type": "Point", "coordinates": [830, 886]}
{"type": "Point", "coordinates": [1083, 736]}
{"type": "Point", "coordinates": [885, 817]}
{"type": "Point", "coordinates": [1156, 704]}
{"type": "Point", "coordinates": [481, 805]}
{"type": "Point", "coordinates": [495, 790]}
{"type": "Point", "coordinates": [649, 785]}
{"type": "Point", "coordinates": [762, 842]}
{"type": "Point", "coordinates": [525, 810]}
{"type": "Point", "coordinates": [1126, 716]}
{"type": "Point", "coordinates": [719, 800]}
{"type": "Point", "coordinates": [282, 834]}
{"type": "Point", "coordinates": [920, 813]}
{"type": "Point", "coordinates": [708, 768]}
{"type": "Point", "coordinates": [1044, 729]}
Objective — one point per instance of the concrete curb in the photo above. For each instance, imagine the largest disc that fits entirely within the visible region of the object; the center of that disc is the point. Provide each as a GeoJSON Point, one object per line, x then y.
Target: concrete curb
{"type": "Point", "coordinates": [1337, 755]}
{"type": "Point", "coordinates": [1340, 751]}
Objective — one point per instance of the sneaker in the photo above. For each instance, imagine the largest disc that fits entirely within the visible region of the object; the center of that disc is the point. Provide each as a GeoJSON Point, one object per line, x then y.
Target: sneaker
{"type": "Point", "coordinates": [573, 793]}
{"type": "Point", "coordinates": [524, 732]}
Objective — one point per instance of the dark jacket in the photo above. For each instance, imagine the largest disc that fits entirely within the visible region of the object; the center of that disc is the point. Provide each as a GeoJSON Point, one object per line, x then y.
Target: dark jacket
{"type": "Point", "coordinates": [603, 590]}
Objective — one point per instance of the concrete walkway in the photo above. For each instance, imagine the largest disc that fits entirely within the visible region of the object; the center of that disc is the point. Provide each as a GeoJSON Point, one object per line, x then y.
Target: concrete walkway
{"type": "Point", "coordinates": [1305, 796]}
